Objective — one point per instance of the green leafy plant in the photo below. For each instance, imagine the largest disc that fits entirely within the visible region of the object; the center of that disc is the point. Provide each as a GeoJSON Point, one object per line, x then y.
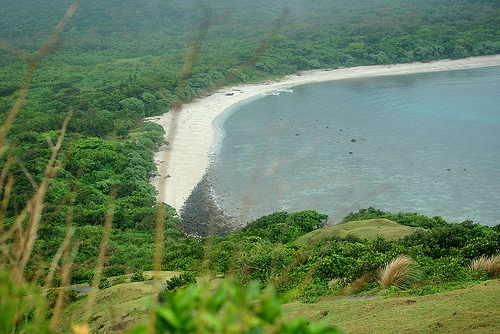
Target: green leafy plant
{"type": "Point", "coordinates": [104, 283]}
{"type": "Point", "coordinates": [22, 307]}
{"type": "Point", "coordinates": [285, 227]}
{"type": "Point", "coordinates": [230, 308]}
{"type": "Point", "coordinates": [119, 280]}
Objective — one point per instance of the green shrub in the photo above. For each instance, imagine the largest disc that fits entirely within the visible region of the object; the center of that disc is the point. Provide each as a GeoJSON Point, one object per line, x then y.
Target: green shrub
{"type": "Point", "coordinates": [313, 291]}
{"type": "Point", "coordinates": [119, 280]}
{"type": "Point", "coordinates": [147, 143]}
{"type": "Point", "coordinates": [17, 307]}
{"type": "Point", "coordinates": [115, 270]}
{"type": "Point", "coordinates": [156, 137]}
{"type": "Point", "coordinates": [450, 269]}
{"type": "Point", "coordinates": [138, 277]}
{"type": "Point", "coordinates": [104, 283]}
{"type": "Point", "coordinates": [150, 127]}
{"type": "Point", "coordinates": [222, 255]}
{"type": "Point", "coordinates": [180, 281]}
{"type": "Point", "coordinates": [365, 214]}
{"type": "Point", "coordinates": [329, 267]}
{"type": "Point", "coordinates": [82, 275]}
{"type": "Point", "coordinates": [285, 227]}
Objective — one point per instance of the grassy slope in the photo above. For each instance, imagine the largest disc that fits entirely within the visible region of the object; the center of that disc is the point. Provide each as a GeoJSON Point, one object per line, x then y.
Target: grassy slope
{"type": "Point", "coordinates": [120, 305]}
{"type": "Point", "coordinates": [471, 310]}
{"type": "Point", "coordinates": [476, 308]}
{"type": "Point", "coordinates": [370, 229]}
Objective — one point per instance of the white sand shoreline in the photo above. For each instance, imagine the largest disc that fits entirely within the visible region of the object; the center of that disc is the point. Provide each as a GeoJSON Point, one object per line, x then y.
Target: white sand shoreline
{"type": "Point", "coordinates": [196, 137]}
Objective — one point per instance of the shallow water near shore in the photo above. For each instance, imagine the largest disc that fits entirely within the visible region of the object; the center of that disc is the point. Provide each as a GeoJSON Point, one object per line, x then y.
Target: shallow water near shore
{"type": "Point", "coordinates": [427, 143]}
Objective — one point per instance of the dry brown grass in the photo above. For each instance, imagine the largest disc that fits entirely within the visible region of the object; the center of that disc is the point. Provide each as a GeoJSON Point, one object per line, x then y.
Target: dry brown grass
{"type": "Point", "coordinates": [360, 283]}
{"type": "Point", "coordinates": [396, 272]}
{"type": "Point", "coordinates": [490, 264]}
{"type": "Point", "coordinates": [334, 282]}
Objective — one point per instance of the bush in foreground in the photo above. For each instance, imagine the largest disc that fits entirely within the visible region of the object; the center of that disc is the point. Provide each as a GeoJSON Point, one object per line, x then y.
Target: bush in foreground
{"type": "Point", "coordinates": [231, 308]}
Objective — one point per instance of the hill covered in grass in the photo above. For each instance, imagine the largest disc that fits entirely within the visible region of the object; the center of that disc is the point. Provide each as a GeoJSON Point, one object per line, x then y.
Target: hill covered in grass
{"type": "Point", "coordinates": [469, 309]}
{"type": "Point", "coordinates": [119, 307]}
{"type": "Point", "coordinates": [364, 229]}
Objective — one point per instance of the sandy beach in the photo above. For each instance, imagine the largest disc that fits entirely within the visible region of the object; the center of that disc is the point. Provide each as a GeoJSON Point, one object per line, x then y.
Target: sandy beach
{"type": "Point", "coordinates": [182, 165]}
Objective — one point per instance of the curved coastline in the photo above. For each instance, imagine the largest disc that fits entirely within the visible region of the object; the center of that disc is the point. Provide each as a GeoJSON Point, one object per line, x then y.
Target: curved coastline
{"type": "Point", "coordinates": [221, 118]}
{"type": "Point", "coordinates": [197, 133]}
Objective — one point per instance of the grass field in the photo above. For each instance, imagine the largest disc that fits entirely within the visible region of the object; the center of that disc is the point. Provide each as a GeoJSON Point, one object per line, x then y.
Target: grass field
{"type": "Point", "coordinates": [475, 309]}
{"type": "Point", "coordinates": [370, 229]}
{"type": "Point", "coordinates": [119, 307]}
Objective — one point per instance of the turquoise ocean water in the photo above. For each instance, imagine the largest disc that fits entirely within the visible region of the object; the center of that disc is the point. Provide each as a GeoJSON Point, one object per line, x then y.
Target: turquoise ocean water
{"type": "Point", "coordinates": [427, 143]}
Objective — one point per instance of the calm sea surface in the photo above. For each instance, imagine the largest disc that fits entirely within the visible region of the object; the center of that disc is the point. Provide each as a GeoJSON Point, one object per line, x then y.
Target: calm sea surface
{"type": "Point", "coordinates": [427, 143]}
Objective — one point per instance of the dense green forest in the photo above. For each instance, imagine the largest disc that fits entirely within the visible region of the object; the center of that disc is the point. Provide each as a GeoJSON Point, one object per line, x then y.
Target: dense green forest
{"type": "Point", "coordinates": [119, 61]}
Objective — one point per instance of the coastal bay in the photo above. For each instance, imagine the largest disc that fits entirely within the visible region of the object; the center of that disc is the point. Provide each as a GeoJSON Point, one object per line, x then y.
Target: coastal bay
{"type": "Point", "coordinates": [196, 137]}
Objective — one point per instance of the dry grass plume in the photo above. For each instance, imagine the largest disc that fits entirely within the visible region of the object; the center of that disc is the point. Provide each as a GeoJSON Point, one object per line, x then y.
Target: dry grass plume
{"type": "Point", "coordinates": [396, 272]}
{"type": "Point", "coordinates": [489, 264]}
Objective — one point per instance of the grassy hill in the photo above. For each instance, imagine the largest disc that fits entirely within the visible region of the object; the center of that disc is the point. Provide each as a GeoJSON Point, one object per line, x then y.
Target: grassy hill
{"type": "Point", "coordinates": [117, 308]}
{"type": "Point", "coordinates": [469, 310]}
{"type": "Point", "coordinates": [369, 229]}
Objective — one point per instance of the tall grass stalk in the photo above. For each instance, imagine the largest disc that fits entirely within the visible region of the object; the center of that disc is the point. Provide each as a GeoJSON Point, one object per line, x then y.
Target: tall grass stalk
{"type": "Point", "coordinates": [103, 248]}
{"type": "Point", "coordinates": [62, 293]}
{"type": "Point", "coordinates": [17, 243]}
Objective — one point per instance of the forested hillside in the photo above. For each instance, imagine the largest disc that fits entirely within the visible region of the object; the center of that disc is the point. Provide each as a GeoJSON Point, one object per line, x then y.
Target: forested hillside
{"type": "Point", "coordinates": [112, 51]}
{"type": "Point", "coordinates": [119, 61]}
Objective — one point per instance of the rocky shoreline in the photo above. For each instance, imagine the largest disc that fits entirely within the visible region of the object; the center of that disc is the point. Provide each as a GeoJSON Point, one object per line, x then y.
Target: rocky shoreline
{"type": "Point", "coordinates": [201, 215]}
